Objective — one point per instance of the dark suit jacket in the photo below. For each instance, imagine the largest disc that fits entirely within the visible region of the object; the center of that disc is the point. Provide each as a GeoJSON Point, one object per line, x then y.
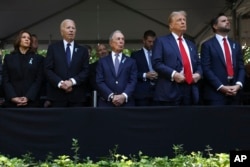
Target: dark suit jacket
{"type": "Point", "coordinates": [167, 58]}
{"type": "Point", "coordinates": [56, 69]}
{"type": "Point", "coordinates": [214, 67]}
{"type": "Point", "coordinates": [107, 81]}
{"type": "Point", "coordinates": [143, 87]}
{"type": "Point", "coordinates": [22, 76]}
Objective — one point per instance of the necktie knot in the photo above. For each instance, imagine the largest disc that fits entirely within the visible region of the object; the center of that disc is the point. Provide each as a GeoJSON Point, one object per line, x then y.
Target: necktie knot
{"type": "Point", "coordinates": [68, 44]}
{"type": "Point", "coordinates": [180, 38]}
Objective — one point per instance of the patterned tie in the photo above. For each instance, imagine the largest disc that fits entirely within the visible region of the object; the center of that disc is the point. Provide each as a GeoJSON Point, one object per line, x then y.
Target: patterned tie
{"type": "Point", "coordinates": [68, 54]}
{"type": "Point", "coordinates": [230, 71]}
{"type": "Point", "coordinates": [117, 63]}
{"type": "Point", "coordinates": [149, 61]}
{"type": "Point", "coordinates": [186, 63]}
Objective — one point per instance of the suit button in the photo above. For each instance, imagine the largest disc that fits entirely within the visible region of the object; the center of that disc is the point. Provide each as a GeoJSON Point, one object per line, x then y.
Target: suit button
{"type": "Point", "coordinates": [116, 82]}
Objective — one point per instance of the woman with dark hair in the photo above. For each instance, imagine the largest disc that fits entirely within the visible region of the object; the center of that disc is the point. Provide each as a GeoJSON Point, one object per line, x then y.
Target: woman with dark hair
{"type": "Point", "coordinates": [22, 73]}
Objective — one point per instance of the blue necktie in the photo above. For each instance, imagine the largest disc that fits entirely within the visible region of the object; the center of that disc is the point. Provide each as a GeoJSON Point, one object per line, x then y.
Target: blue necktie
{"type": "Point", "coordinates": [68, 54]}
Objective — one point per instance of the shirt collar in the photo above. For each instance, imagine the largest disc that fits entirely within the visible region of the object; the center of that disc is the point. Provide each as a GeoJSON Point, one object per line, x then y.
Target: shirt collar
{"type": "Point", "coordinates": [65, 43]}
{"type": "Point", "coordinates": [146, 50]}
{"type": "Point", "coordinates": [219, 37]}
{"type": "Point", "coordinates": [113, 54]}
{"type": "Point", "coordinates": [176, 36]}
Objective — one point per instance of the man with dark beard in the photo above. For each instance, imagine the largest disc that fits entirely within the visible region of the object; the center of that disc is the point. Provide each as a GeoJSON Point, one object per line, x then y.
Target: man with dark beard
{"type": "Point", "coordinates": [222, 64]}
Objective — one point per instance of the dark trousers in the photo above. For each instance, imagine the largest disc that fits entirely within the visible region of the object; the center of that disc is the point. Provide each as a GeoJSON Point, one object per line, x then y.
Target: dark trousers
{"type": "Point", "coordinates": [185, 99]}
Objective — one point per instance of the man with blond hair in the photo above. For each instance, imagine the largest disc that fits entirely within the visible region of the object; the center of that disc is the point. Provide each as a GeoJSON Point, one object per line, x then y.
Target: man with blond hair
{"type": "Point", "coordinates": [176, 60]}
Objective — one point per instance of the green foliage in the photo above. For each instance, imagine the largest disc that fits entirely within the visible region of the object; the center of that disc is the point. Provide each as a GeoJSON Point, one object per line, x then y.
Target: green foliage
{"type": "Point", "coordinates": [194, 159]}
{"type": "Point", "coordinates": [75, 147]}
{"type": "Point", "coordinates": [42, 52]}
{"type": "Point", "coordinates": [246, 54]}
{"type": "Point", "coordinates": [93, 56]}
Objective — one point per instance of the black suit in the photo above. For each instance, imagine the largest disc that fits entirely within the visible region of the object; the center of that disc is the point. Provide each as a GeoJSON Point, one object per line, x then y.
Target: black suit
{"type": "Point", "coordinates": [144, 88]}
{"type": "Point", "coordinates": [57, 69]}
{"type": "Point", "coordinates": [22, 76]}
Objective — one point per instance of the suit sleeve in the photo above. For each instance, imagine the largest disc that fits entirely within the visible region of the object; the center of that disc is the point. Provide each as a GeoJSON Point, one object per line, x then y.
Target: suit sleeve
{"type": "Point", "coordinates": [159, 61]}
{"type": "Point", "coordinates": [135, 55]}
{"type": "Point", "coordinates": [49, 67]}
{"type": "Point", "coordinates": [241, 69]}
{"type": "Point", "coordinates": [206, 66]}
{"type": "Point", "coordinates": [83, 73]}
{"type": "Point", "coordinates": [132, 80]}
{"type": "Point", "coordinates": [102, 87]}
{"type": "Point", "coordinates": [7, 86]}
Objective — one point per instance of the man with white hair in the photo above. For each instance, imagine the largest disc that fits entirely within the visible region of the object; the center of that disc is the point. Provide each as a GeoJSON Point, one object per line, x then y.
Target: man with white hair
{"type": "Point", "coordinates": [66, 69]}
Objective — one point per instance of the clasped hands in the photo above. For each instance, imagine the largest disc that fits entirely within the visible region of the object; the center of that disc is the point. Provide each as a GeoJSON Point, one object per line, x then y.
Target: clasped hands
{"type": "Point", "coordinates": [180, 78]}
{"type": "Point", "coordinates": [230, 90]}
{"type": "Point", "coordinates": [66, 86]}
{"type": "Point", "coordinates": [152, 75]}
{"type": "Point", "coordinates": [118, 100]}
{"type": "Point", "coordinates": [20, 101]}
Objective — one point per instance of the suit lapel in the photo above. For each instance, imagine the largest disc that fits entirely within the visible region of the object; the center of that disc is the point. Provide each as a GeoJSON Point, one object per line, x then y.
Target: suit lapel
{"type": "Point", "coordinates": [61, 49]}
{"type": "Point", "coordinates": [122, 64]}
{"type": "Point", "coordinates": [173, 43]}
{"type": "Point", "coordinates": [111, 64]}
{"type": "Point", "coordinates": [74, 53]}
{"type": "Point", "coordinates": [191, 52]}
{"type": "Point", "coordinates": [233, 50]}
{"type": "Point", "coordinates": [143, 58]}
{"type": "Point", "coordinates": [219, 50]}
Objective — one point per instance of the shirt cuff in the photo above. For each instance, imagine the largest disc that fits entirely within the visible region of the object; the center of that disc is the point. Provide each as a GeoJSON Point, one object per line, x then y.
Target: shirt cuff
{"type": "Point", "coordinates": [172, 75]}
{"type": "Point", "coordinates": [239, 83]}
{"type": "Point", "coordinates": [59, 84]}
{"type": "Point", "coordinates": [219, 87]}
{"type": "Point", "coordinates": [144, 77]}
{"type": "Point", "coordinates": [73, 81]}
{"type": "Point", "coordinates": [109, 97]}
{"type": "Point", "coordinates": [126, 96]}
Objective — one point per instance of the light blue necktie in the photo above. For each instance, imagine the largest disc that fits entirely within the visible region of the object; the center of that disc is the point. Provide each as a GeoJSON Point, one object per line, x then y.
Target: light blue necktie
{"type": "Point", "coordinates": [149, 61]}
{"type": "Point", "coordinates": [117, 63]}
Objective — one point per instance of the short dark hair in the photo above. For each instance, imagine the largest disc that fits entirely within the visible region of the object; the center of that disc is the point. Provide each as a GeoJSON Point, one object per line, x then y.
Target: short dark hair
{"type": "Point", "coordinates": [150, 33]}
{"type": "Point", "coordinates": [215, 20]}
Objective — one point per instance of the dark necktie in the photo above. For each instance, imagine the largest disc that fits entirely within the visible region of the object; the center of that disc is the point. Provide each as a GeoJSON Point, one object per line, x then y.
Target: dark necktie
{"type": "Point", "coordinates": [185, 62]}
{"type": "Point", "coordinates": [149, 61]}
{"type": "Point", "coordinates": [117, 63]}
{"type": "Point", "coordinates": [230, 71]}
{"type": "Point", "coordinates": [68, 54]}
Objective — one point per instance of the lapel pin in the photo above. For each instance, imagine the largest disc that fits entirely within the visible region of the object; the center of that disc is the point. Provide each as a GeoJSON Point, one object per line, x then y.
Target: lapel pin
{"type": "Point", "coordinates": [31, 59]}
{"type": "Point", "coordinates": [123, 60]}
